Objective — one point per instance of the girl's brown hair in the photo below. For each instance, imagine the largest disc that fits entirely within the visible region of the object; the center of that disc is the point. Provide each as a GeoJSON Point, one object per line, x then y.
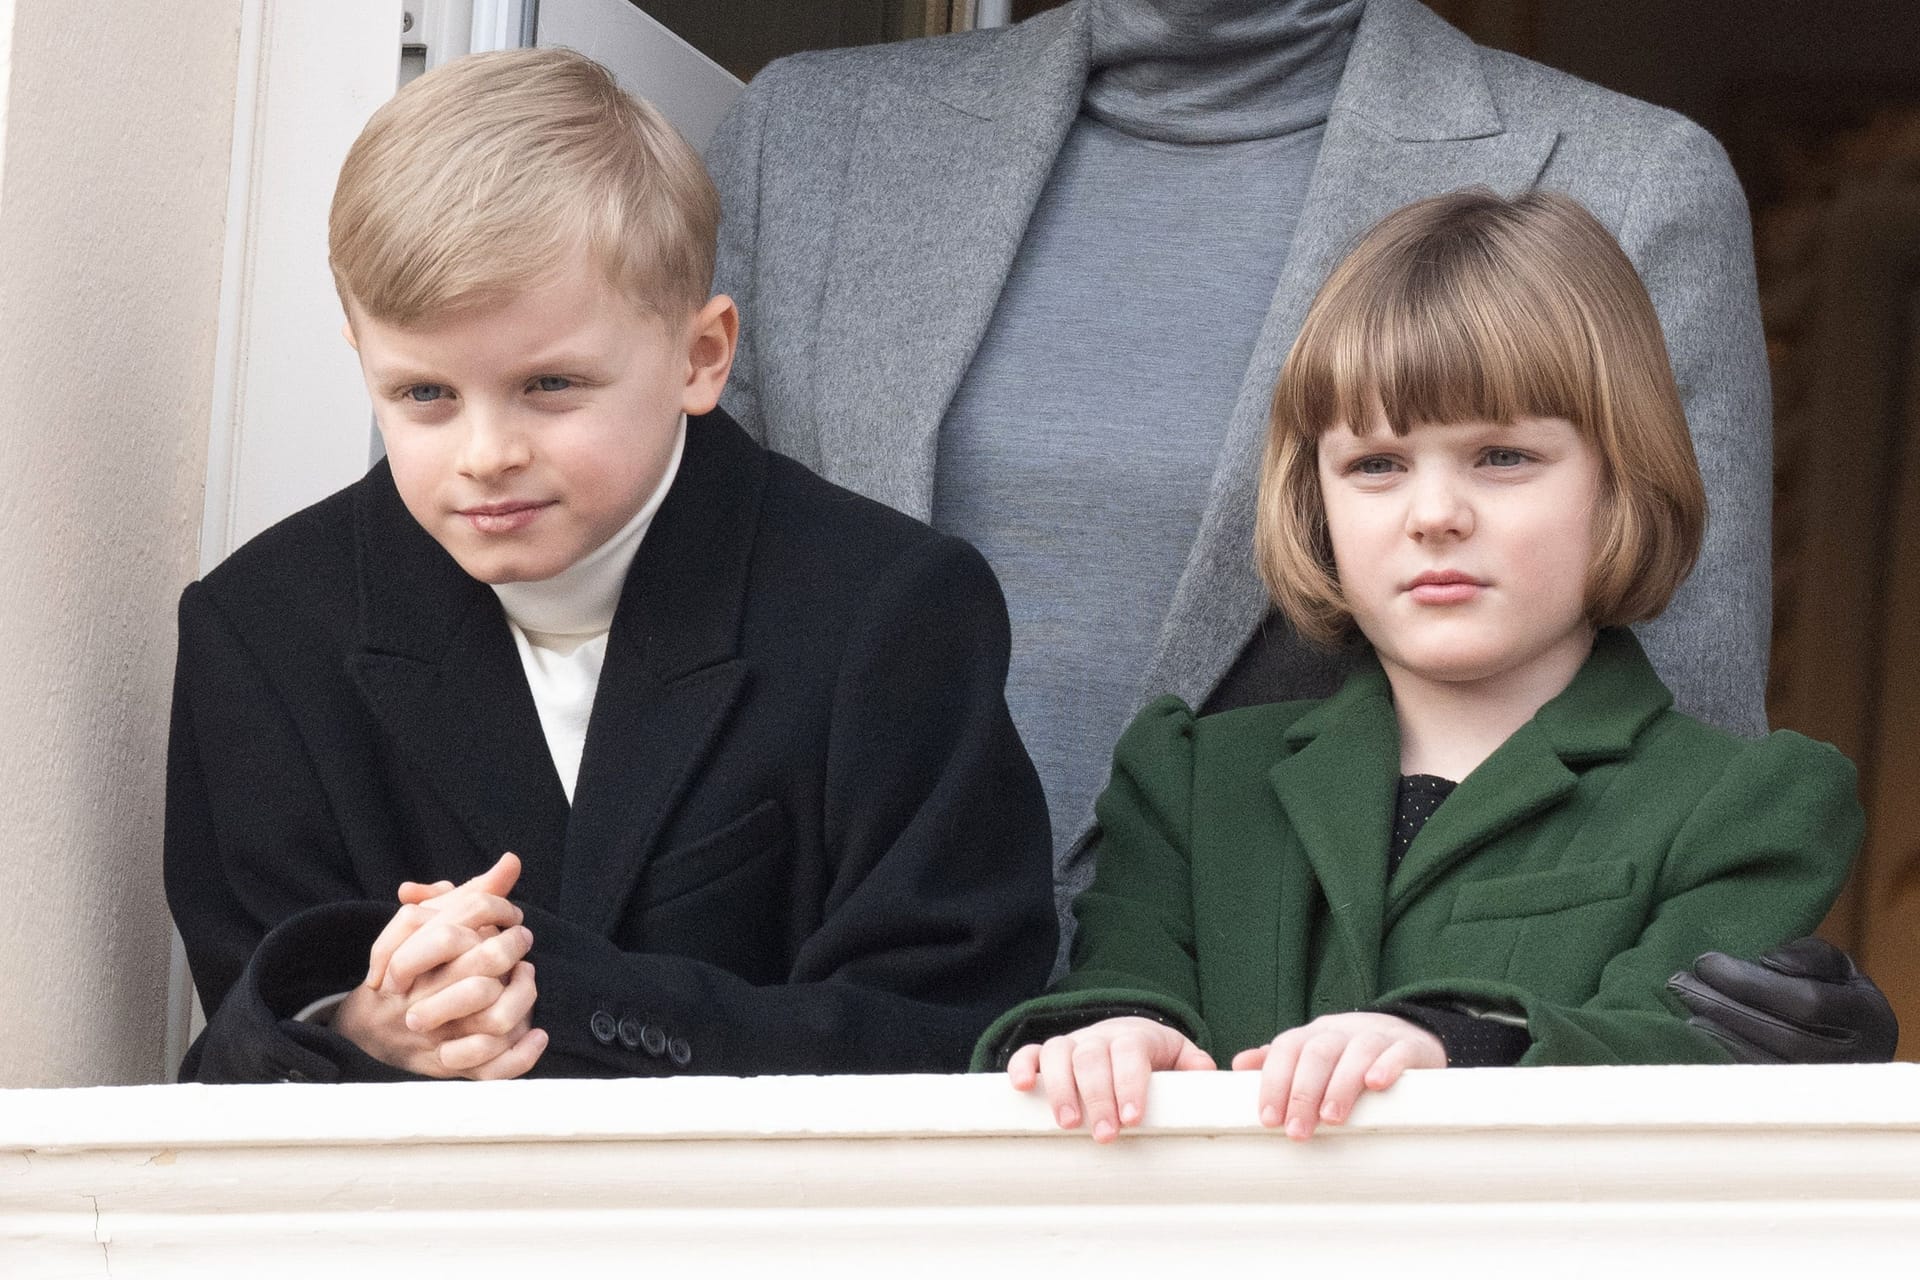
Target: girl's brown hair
{"type": "Point", "coordinates": [1469, 307]}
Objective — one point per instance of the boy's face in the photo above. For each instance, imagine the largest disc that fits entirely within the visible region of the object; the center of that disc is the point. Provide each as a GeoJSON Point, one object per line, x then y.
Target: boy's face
{"type": "Point", "coordinates": [524, 434]}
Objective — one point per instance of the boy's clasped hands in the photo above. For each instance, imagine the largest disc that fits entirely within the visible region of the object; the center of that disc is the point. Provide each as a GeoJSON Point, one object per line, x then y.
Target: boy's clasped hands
{"type": "Point", "coordinates": [1309, 1075]}
{"type": "Point", "coordinates": [449, 991]}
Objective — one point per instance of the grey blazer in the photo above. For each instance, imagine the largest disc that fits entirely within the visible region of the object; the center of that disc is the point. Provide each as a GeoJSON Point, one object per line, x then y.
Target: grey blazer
{"type": "Point", "coordinates": [874, 200]}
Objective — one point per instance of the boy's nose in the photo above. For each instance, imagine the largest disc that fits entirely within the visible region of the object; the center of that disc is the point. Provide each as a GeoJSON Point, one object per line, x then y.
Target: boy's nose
{"type": "Point", "coordinates": [492, 446]}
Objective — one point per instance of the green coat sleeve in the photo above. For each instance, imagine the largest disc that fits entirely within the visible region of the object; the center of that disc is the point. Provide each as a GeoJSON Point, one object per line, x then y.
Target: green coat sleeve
{"type": "Point", "coordinates": [1759, 861]}
{"type": "Point", "coordinates": [1133, 952]}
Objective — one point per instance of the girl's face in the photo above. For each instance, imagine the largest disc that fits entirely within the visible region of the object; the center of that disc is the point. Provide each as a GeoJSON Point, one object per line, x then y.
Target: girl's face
{"type": "Point", "coordinates": [1462, 549]}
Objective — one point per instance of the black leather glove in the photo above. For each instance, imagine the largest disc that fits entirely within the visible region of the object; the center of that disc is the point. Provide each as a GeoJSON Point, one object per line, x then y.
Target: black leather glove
{"type": "Point", "coordinates": [1802, 1002]}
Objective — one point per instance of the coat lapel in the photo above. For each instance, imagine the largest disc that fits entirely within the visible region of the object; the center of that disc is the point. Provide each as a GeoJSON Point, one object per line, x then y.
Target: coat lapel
{"type": "Point", "coordinates": [1596, 719]}
{"type": "Point", "coordinates": [671, 675]}
{"type": "Point", "coordinates": [1337, 791]}
{"type": "Point", "coordinates": [1413, 117]}
{"type": "Point", "coordinates": [438, 668]}
{"type": "Point", "coordinates": [942, 178]}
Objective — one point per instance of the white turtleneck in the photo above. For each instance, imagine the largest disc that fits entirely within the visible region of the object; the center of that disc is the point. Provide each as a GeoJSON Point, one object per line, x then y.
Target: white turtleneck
{"type": "Point", "coordinates": [560, 626]}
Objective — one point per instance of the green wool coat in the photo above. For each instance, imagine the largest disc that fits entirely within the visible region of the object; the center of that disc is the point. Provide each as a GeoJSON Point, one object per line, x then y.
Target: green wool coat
{"type": "Point", "coordinates": [1241, 886]}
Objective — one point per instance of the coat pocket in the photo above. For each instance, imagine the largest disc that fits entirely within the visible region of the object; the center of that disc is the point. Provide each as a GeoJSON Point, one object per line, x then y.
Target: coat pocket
{"type": "Point", "coordinates": [757, 833]}
{"type": "Point", "coordinates": [1539, 892]}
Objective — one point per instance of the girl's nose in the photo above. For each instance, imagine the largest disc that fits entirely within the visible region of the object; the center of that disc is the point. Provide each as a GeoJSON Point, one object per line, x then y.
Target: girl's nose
{"type": "Point", "coordinates": [1438, 507]}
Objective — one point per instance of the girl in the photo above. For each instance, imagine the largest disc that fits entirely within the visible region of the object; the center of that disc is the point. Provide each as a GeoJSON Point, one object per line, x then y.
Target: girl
{"type": "Point", "coordinates": [1498, 839]}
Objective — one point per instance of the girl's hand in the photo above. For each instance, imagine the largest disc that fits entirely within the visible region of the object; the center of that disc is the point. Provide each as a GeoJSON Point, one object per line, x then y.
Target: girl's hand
{"type": "Point", "coordinates": [1315, 1073]}
{"type": "Point", "coordinates": [1100, 1073]}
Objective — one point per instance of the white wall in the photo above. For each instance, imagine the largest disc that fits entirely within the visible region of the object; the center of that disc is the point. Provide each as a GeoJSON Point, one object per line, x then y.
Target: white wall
{"type": "Point", "coordinates": [114, 135]}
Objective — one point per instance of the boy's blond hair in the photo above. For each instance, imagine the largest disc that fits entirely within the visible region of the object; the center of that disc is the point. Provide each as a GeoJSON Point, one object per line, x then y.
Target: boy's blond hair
{"type": "Point", "coordinates": [485, 174]}
{"type": "Point", "coordinates": [1472, 308]}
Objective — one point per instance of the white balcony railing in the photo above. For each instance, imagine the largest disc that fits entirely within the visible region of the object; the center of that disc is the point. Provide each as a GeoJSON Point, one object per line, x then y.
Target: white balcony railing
{"type": "Point", "coordinates": [1736, 1171]}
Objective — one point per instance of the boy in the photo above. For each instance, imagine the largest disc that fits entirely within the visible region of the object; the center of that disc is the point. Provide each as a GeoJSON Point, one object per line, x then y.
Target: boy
{"type": "Point", "coordinates": [742, 732]}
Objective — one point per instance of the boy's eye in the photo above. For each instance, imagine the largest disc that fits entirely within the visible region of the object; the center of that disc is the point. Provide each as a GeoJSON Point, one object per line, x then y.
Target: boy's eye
{"type": "Point", "coordinates": [426, 393]}
{"type": "Point", "coordinates": [552, 383]}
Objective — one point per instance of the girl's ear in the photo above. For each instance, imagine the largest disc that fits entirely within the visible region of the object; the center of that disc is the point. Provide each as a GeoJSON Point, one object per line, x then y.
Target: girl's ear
{"type": "Point", "coordinates": [713, 336]}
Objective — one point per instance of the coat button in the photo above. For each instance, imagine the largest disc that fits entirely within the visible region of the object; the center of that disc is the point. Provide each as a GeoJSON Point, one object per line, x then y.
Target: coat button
{"type": "Point", "coordinates": [294, 1076]}
{"type": "Point", "coordinates": [679, 1051]}
{"type": "Point", "coordinates": [603, 1026]}
{"type": "Point", "coordinates": [630, 1032]}
{"type": "Point", "coordinates": [653, 1039]}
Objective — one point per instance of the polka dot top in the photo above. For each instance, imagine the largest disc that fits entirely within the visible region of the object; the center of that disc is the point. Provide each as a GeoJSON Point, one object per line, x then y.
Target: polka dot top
{"type": "Point", "coordinates": [1419, 795]}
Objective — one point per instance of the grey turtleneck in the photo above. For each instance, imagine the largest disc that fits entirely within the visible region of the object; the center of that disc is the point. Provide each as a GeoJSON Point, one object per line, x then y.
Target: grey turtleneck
{"type": "Point", "coordinates": [1078, 451]}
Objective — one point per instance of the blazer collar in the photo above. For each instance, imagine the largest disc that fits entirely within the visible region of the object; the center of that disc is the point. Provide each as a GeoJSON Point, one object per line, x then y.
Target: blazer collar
{"type": "Point", "coordinates": [943, 173]}
{"type": "Point", "coordinates": [439, 669]}
{"type": "Point", "coordinates": [1338, 785]}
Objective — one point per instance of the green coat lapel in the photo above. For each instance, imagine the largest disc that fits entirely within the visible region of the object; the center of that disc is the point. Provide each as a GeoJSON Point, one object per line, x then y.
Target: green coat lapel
{"type": "Point", "coordinates": [1598, 716]}
{"type": "Point", "coordinates": [1337, 791]}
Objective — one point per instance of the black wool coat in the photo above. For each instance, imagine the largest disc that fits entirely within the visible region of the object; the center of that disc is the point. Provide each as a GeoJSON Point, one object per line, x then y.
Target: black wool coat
{"type": "Point", "coordinates": [805, 836]}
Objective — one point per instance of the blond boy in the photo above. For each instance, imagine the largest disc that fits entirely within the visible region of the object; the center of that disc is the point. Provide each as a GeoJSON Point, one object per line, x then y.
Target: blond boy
{"type": "Point", "coordinates": [582, 735]}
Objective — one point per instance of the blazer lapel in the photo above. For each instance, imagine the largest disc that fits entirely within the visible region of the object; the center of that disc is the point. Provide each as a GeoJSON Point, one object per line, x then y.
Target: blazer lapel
{"type": "Point", "coordinates": [1413, 117]}
{"type": "Point", "coordinates": [671, 675]}
{"type": "Point", "coordinates": [438, 668]}
{"type": "Point", "coordinates": [942, 178]}
{"type": "Point", "coordinates": [1596, 719]}
{"type": "Point", "coordinates": [1337, 790]}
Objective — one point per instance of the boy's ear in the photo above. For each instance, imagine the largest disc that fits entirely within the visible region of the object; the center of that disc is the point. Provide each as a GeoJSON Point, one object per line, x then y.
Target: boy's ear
{"type": "Point", "coordinates": [712, 338]}
{"type": "Point", "coordinates": [346, 331]}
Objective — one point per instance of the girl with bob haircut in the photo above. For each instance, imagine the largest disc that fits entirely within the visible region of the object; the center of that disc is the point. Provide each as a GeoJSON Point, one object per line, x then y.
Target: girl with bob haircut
{"type": "Point", "coordinates": [1495, 842]}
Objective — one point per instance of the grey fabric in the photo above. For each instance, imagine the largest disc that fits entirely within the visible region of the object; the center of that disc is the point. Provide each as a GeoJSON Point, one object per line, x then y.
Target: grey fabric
{"type": "Point", "coordinates": [1079, 447]}
{"type": "Point", "coordinates": [1216, 70]}
{"type": "Point", "coordinates": [1078, 451]}
{"type": "Point", "coordinates": [875, 200]}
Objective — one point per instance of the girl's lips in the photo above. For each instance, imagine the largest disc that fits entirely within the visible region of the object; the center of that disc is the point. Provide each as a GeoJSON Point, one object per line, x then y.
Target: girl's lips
{"type": "Point", "coordinates": [503, 517]}
{"type": "Point", "coordinates": [1444, 588]}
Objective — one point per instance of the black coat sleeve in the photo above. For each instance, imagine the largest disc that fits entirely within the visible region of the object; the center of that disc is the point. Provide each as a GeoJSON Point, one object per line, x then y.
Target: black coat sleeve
{"type": "Point", "coordinates": [939, 912]}
{"type": "Point", "coordinates": [257, 876]}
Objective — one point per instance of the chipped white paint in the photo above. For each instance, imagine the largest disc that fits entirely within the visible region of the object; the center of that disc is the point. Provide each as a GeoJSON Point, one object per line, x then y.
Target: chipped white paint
{"type": "Point", "coordinates": [1748, 1171]}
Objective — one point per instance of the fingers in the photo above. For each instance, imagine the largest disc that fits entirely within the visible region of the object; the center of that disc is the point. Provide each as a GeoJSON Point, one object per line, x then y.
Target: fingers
{"type": "Point", "coordinates": [1251, 1059]}
{"type": "Point", "coordinates": [412, 891]}
{"type": "Point", "coordinates": [1056, 1074]}
{"type": "Point", "coordinates": [1194, 1058]}
{"type": "Point", "coordinates": [419, 902]}
{"type": "Point", "coordinates": [1276, 1076]}
{"type": "Point", "coordinates": [1299, 1098]}
{"type": "Point", "coordinates": [516, 1061]}
{"type": "Point", "coordinates": [1814, 958]}
{"type": "Point", "coordinates": [1132, 1069]}
{"type": "Point", "coordinates": [1023, 1068]}
{"type": "Point", "coordinates": [498, 879]}
{"type": "Point", "coordinates": [495, 1029]}
{"type": "Point", "coordinates": [440, 936]}
{"type": "Point", "coordinates": [470, 983]}
{"type": "Point", "coordinates": [1353, 1074]}
{"type": "Point", "coordinates": [1100, 1074]}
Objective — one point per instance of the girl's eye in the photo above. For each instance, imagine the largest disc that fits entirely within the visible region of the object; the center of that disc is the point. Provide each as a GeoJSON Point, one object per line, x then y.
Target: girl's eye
{"type": "Point", "coordinates": [426, 393]}
{"type": "Point", "coordinates": [1504, 457]}
{"type": "Point", "coordinates": [1375, 466]}
{"type": "Point", "coordinates": [552, 383]}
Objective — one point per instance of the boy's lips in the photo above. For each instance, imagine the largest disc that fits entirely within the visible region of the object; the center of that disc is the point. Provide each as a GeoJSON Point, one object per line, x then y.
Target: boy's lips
{"type": "Point", "coordinates": [502, 517]}
{"type": "Point", "coordinates": [1444, 586]}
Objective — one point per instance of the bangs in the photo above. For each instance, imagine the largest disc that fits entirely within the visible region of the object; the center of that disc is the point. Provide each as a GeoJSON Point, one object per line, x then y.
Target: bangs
{"type": "Point", "coordinates": [1448, 329]}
